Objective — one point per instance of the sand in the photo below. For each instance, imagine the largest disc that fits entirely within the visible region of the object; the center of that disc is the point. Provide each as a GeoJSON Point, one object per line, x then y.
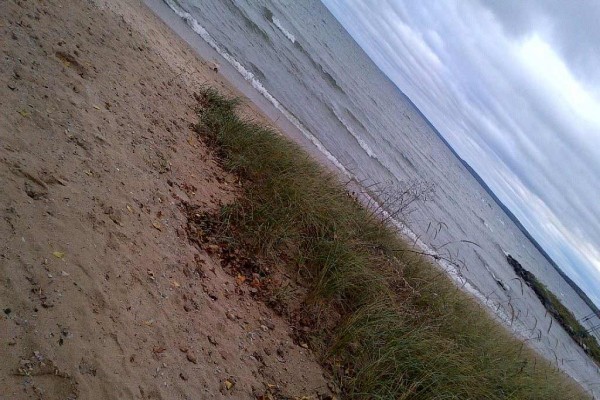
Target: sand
{"type": "Point", "coordinates": [102, 296]}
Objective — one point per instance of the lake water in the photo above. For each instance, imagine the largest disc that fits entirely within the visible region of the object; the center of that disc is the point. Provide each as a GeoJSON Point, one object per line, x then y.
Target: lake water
{"type": "Point", "coordinates": [308, 74]}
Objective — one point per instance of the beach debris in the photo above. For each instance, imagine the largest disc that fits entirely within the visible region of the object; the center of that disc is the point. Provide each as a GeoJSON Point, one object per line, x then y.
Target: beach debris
{"type": "Point", "coordinates": [228, 384]}
{"type": "Point", "coordinates": [157, 225]}
{"type": "Point", "coordinates": [215, 66]}
{"type": "Point", "coordinates": [212, 340]}
{"type": "Point", "coordinates": [212, 248]}
{"type": "Point", "coordinates": [151, 274]}
{"type": "Point", "coordinates": [240, 279]}
{"type": "Point", "coordinates": [58, 254]}
{"type": "Point", "coordinates": [191, 357]}
{"type": "Point", "coordinates": [36, 192]}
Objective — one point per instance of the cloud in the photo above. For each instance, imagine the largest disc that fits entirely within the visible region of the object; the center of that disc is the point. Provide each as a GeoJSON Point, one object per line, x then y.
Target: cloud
{"type": "Point", "coordinates": [571, 26]}
{"type": "Point", "coordinates": [515, 88]}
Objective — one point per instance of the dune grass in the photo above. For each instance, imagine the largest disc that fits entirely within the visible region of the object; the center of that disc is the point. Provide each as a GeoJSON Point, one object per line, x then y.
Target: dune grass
{"type": "Point", "coordinates": [559, 311]}
{"type": "Point", "coordinates": [390, 325]}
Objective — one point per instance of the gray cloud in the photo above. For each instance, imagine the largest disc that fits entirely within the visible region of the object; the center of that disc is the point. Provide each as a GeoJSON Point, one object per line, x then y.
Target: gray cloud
{"type": "Point", "coordinates": [572, 27]}
{"type": "Point", "coordinates": [515, 88]}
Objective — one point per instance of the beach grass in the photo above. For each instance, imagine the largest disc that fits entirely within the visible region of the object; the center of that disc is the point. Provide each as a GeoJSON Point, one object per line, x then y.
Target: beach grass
{"type": "Point", "coordinates": [386, 322]}
{"type": "Point", "coordinates": [559, 311]}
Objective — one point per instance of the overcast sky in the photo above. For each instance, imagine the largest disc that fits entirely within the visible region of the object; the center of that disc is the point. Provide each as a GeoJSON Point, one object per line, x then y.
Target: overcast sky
{"type": "Point", "coordinates": [514, 86]}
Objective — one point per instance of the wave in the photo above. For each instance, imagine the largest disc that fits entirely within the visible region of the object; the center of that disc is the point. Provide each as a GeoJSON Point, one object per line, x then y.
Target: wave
{"type": "Point", "coordinates": [355, 135]}
{"type": "Point", "coordinates": [256, 84]}
{"type": "Point", "coordinates": [287, 34]}
{"type": "Point", "coordinates": [404, 230]}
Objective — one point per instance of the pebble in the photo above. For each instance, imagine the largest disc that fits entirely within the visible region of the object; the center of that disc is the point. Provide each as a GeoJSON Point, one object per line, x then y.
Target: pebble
{"type": "Point", "coordinates": [192, 358]}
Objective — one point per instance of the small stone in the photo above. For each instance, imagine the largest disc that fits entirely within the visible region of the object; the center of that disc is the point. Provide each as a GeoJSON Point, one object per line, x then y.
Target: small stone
{"type": "Point", "coordinates": [7, 311]}
{"type": "Point", "coordinates": [264, 328]}
{"type": "Point", "coordinates": [192, 358]}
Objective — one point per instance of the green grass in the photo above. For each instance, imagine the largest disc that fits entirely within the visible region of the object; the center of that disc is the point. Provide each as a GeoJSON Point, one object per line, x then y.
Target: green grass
{"type": "Point", "coordinates": [388, 323]}
{"type": "Point", "coordinates": [558, 310]}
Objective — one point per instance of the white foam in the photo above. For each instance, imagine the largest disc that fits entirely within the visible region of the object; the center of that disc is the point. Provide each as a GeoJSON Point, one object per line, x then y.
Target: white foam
{"type": "Point", "coordinates": [451, 269]}
{"type": "Point", "coordinates": [356, 136]}
{"type": "Point", "coordinates": [287, 34]}
{"type": "Point", "coordinates": [256, 84]}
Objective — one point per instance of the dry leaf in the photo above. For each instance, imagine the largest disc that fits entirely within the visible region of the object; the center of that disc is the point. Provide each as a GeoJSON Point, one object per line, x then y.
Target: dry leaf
{"type": "Point", "coordinates": [228, 384]}
{"type": "Point", "coordinates": [240, 279]}
{"type": "Point", "coordinates": [129, 208]}
{"type": "Point", "coordinates": [58, 254]}
{"type": "Point", "coordinates": [157, 225]}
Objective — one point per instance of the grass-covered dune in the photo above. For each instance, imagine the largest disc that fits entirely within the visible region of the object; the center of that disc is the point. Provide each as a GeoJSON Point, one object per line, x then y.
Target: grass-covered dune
{"type": "Point", "coordinates": [559, 311]}
{"type": "Point", "coordinates": [388, 323]}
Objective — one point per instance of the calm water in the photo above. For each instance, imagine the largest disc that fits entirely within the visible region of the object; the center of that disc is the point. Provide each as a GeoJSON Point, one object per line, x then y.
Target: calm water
{"type": "Point", "coordinates": [296, 55]}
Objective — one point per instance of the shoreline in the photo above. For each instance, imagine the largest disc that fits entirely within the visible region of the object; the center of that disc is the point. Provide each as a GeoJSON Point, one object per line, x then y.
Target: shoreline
{"type": "Point", "coordinates": [103, 295]}
{"type": "Point", "coordinates": [277, 119]}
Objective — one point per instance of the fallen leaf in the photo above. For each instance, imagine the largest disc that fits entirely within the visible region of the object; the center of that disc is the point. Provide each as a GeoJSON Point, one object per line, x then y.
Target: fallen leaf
{"type": "Point", "coordinates": [23, 113]}
{"type": "Point", "coordinates": [212, 248]}
{"type": "Point", "coordinates": [240, 279]}
{"type": "Point", "coordinates": [157, 225]}
{"type": "Point", "coordinates": [58, 254]}
{"type": "Point", "coordinates": [176, 284]}
{"type": "Point", "coordinates": [228, 384]}
{"type": "Point", "coordinates": [97, 108]}
{"type": "Point", "coordinates": [129, 208]}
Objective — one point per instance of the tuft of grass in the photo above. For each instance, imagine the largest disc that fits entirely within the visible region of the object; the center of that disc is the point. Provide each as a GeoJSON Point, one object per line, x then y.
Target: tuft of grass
{"type": "Point", "coordinates": [559, 311]}
{"type": "Point", "coordinates": [398, 328]}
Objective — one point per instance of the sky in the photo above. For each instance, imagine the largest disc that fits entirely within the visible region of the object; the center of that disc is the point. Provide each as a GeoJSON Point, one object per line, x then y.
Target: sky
{"type": "Point", "coordinates": [514, 87]}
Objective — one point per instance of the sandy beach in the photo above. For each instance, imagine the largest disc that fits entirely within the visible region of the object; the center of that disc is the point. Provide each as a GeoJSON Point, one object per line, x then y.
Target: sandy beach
{"type": "Point", "coordinates": [103, 292]}
{"type": "Point", "coordinates": [102, 295]}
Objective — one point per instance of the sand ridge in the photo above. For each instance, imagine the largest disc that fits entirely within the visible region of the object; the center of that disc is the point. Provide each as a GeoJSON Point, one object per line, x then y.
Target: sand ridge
{"type": "Point", "coordinates": [102, 295]}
